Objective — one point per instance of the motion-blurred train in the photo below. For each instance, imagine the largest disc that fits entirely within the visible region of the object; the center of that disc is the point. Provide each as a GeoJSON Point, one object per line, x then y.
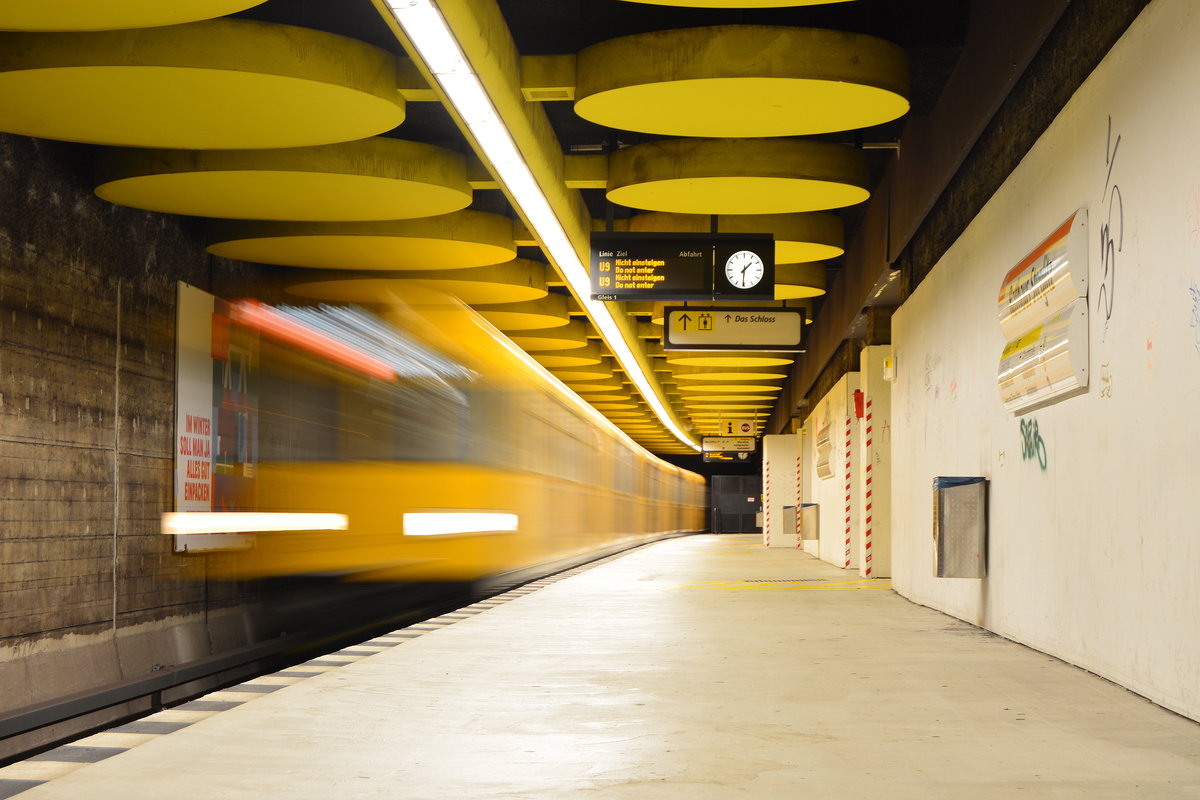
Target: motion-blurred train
{"type": "Point", "coordinates": [420, 445]}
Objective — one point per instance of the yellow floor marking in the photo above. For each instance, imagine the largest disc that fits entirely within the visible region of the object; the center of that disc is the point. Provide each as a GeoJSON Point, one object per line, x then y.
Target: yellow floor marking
{"type": "Point", "coordinates": [865, 583]}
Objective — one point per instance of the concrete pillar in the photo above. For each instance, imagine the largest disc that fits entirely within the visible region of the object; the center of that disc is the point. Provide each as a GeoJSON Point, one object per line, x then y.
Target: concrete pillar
{"type": "Point", "coordinates": [875, 472]}
{"type": "Point", "coordinates": [781, 488]}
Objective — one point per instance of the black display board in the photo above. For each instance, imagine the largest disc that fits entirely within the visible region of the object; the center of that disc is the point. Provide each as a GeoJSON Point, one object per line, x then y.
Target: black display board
{"type": "Point", "coordinates": [682, 266]}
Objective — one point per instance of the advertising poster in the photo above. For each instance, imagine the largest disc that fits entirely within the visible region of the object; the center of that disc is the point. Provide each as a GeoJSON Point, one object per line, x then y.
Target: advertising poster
{"type": "Point", "coordinates": [214, 418]}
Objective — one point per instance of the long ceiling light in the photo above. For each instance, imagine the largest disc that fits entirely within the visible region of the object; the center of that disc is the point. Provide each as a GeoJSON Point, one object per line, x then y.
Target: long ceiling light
{"type": "Point", "coordinates": [437, 47]}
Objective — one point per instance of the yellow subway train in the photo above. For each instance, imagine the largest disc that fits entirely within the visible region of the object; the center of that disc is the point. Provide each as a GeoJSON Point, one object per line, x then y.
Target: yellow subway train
{"type": "Point", "coordinates": [415, 445]}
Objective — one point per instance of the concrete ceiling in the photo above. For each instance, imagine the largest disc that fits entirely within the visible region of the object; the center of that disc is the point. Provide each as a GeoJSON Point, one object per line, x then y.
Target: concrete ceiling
{"type": "Point", "coordinates": [947, 44]}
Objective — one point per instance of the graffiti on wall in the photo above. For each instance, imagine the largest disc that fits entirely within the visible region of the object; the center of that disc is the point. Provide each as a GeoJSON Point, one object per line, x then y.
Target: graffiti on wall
{"type": "Point", "coordinates": [1112, 231]}
{"type": "Point", "coordinates": [1194, 324]}
{"type": "Point", "coordinates": [1033, 446]}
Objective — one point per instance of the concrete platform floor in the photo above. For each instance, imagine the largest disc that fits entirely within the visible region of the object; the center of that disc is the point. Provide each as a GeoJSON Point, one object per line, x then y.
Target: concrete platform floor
{"type": "Point", "coordinates": [701, 667]}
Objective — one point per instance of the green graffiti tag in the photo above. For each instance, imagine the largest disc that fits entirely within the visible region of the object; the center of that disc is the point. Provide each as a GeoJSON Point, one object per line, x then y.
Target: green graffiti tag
{"type": "Point", "coordinates": [1032, 444]}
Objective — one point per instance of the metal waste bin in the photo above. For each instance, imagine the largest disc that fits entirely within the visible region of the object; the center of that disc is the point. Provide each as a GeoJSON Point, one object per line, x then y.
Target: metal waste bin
{"type": "Point", "coordinates": [959, 527]}
{"type": "Point", "coordinates": [809, 521]}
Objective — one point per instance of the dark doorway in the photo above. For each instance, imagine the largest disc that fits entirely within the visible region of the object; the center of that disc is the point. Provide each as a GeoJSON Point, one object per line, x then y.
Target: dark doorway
{"type": "Point", "coordinates": [736, 501]}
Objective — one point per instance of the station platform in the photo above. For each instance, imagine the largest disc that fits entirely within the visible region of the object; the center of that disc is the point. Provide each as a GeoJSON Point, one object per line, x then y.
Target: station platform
{"type": "Point", "coordinates": [698, 667]}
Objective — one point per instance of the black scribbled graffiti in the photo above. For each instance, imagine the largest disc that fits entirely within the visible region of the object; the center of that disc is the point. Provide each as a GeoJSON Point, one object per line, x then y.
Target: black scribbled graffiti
{"type": "Point", "coordinates": [1112, 232]}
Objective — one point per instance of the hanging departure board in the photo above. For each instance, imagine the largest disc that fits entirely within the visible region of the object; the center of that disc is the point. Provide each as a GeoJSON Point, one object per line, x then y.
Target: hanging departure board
{"type": "Point", "coordinates": [682, 266]}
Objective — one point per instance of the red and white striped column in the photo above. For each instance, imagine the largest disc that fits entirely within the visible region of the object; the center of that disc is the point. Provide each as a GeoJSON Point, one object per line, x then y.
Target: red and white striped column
{"type": "Point", "coordinates": [849, 487]}
{"type": "Point", "coordinates": [869, 458]}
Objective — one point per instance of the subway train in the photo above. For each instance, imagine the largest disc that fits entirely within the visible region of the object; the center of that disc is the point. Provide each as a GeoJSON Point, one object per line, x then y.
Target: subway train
{"type": "Point", "coordinates": [415, 444]}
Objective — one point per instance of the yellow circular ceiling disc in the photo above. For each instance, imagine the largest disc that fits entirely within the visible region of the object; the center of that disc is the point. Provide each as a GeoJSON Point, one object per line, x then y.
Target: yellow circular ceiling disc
{"type": "Point", "coordinates": [811, 236]}
{"type": "Point", "coordinates": [452, 241]}
{"type": "Point", "coordinates": [741, 81]}
{"type": "Point", "coordinates": [580, 357]}
{"type": "Point", "coordinates": [614, 406]}
{"type": "Point", "coordinates": [736, 3]}
{"type": "Point", "coordinates": [89, 15]}
{"type": "Point", "coordinates": [572, 336]}
{"type": "Point", "coordinates": [373, 179]}
{"type": "Point", "coordinates": [729, 398]}
{"type": "Point", "coordinates": [511, 282]}
{"type": "Point", "coordinates": [548, 312]}
{"type": "Point", "coordinates": [726, 388]}
{"type": "Point", "coordinates": [739, 407]}
{"type": "Point", "coordinates": [799, 281]}
{"type": "Point", "coordinates": [729, 376]}
{"type": "Point", "coordinates": [598, 373]}
{"type": "Point", "coordinates": [728, 361]}
{"type": "Point", "coordinates": [264, 86]}
{"type": "Point", "coordinates": [592, 388]}
{"type": "Point", "coordinates": [731, 194]}
{"type": "Point", "coordinates": [737, 176]}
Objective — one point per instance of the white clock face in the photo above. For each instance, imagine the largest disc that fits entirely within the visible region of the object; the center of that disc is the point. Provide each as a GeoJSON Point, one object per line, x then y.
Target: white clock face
{"type": "Point", "coordinates": [744, 269]}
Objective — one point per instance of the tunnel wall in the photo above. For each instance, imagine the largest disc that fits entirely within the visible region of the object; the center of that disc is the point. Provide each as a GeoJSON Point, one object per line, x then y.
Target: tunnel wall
{"type": "Point", "coordinates": [1094, 534]}
{"type": "Point", "coordinates": [90, 591]}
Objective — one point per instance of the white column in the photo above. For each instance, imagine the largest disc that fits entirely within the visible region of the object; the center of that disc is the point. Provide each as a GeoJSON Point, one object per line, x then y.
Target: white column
{"type": "Point", "coordinates": [781, 488]}
{"type": "Point", "coordinates": [875, 544]}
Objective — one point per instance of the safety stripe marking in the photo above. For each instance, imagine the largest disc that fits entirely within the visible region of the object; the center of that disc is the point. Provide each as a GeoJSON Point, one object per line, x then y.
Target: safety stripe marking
{"type": "Point", "coordinates": [849, 473]}
{"type": "Point", "coordinates": [868, 529]}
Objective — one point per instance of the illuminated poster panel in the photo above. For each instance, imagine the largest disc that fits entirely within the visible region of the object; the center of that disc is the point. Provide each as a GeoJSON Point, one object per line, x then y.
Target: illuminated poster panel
{"type": "Point", "coordinates": [1043, 313]}
{"type": "Point", "coordinates": [214, 435]}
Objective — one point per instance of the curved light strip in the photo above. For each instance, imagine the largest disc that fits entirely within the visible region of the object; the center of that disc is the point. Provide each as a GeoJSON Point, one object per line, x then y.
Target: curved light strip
{"type": "Point", "coordinates": [425, 27]}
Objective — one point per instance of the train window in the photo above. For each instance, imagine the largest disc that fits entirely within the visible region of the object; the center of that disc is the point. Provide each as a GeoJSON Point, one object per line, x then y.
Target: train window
{"type": "Point", "coordinates": [297, 420]}
{"type": "Point", "coordinates": [403, 421]}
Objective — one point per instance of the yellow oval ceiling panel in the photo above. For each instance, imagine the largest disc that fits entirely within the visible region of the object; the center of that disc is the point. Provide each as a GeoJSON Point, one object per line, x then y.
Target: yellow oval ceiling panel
{"type": "Point", "coordinates": [90, 15]}
{"type": "Point", "coordinates": [561, 359]}
{"type": "Point", "coordinates": [731, 406]}
{"type": "Point", "coordinates": [372, 179]}
{"type": "Point", "coordinates": [729, 376]}
{"type": "Point", "coordinates": [264, 86]}
{"type": "Point", "coordinates": [596, 387]}
{"type": "Point", "coordinates": [727, 360]}
{"type": "Point", "coordinates": [572, 336]}
{"type": "Point", "coordinates": [511, 282]}
{"type": "Point", "coordinates": [811, 236]}
{"type": "Point", "coordinates": [452, 241]}
{"type": "Point", "coordinates": [737, 176]}
{"type": "Point", "coordinates": [723, 388]}
{"type": "Point", "coordinates": [799, 281]}
{"type": "Point", "coordinates": [736, 3]}
{"type": "Point", "coordinates": [741, 81]}
{"type": "Point", "coordinates": [548, 312]}
{"type": "Point", "coordinates": [597, 373]}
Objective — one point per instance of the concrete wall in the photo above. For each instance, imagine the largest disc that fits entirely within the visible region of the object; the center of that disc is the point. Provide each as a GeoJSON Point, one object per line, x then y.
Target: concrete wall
{"type": "Point", "coordinates": [87, 361]}
{"type": "Point", "coordinates": [1093, 501]}
{"type": "Point", "coordinates": [835, 495]}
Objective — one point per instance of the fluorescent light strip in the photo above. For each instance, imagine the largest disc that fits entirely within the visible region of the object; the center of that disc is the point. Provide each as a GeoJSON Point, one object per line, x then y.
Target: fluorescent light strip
{"type": "Point", "coordinates": [457, 523]}
{"type": "Point", "coordinates": [187, 523]}
{"type": "Point", "coordinates": [426, 28]}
